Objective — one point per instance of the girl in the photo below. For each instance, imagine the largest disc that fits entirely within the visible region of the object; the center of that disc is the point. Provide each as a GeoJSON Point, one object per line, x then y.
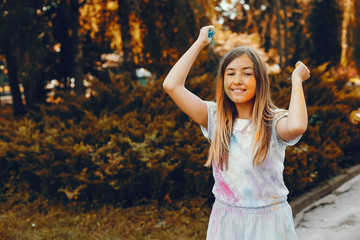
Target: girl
{"type": "Point", "coordinates": [248, 136]}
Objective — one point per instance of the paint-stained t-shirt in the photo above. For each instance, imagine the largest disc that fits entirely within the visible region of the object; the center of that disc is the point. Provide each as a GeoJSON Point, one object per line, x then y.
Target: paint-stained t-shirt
{"type": "Point", "coordinates": [242, 183]}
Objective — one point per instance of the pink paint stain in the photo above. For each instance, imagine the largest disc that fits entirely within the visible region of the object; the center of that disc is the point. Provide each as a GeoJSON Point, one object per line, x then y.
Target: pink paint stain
{"type": "Point", "coordinates": [226, 190]}
{"type": "Point", "coordinates": [222, 187]}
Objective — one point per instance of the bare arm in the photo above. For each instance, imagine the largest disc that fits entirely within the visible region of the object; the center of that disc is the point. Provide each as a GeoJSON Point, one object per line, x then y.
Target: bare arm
{"type": "Point", "coordinates": [296, 122]}
{"type": "Point", "coordinates": [174, 83]}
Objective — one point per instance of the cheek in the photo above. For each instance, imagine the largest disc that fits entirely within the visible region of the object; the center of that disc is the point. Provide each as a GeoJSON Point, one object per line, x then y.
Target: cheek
{"type": "Point", "coordinates": [227, 85]}
{"type": "Point", "coordinates": [227, 82]}
{"type": "Point", "coordinates": [252, 83]}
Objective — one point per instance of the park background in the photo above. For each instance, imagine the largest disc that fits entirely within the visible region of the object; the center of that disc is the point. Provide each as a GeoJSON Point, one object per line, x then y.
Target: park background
{"type": "Point", "coordinates": [92, 148]}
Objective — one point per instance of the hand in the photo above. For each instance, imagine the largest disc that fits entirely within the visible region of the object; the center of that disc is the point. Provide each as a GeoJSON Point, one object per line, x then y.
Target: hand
{"type": "Point", "coordinates": [301, 72]}
{"type": "Point", "coordinates": [203, 38]}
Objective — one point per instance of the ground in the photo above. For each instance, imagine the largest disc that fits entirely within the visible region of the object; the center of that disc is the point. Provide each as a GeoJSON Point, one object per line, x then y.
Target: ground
{"type": "Point", "coordinates": [335, 217]}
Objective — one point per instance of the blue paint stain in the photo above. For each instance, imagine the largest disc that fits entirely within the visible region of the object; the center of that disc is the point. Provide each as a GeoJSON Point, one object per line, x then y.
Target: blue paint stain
{"type": "Point", "coordinates": [211, 33]}
{"type": "Point", "coordinates": [233, 139]}
{"type": "Point", "coordinates": [248, 193]}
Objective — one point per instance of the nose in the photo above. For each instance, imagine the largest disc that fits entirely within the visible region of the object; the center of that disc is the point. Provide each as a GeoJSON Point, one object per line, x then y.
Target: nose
{"type": "Point", "coordinates": [238, 79]}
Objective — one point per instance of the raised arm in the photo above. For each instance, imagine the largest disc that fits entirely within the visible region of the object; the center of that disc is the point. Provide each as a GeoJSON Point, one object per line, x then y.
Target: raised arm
{"type": "Point", "coordinates": [174, 83]}
{"type": "Point", "coordinates": [296, 122]}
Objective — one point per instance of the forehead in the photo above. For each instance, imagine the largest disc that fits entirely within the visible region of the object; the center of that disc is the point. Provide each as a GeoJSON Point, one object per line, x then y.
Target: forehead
{"type": "Point", "coordinates": [241, 62]}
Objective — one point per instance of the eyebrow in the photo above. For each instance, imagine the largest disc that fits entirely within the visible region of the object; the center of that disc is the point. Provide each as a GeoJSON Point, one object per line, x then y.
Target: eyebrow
{"type": "Point", "coordinates": [243, 68]}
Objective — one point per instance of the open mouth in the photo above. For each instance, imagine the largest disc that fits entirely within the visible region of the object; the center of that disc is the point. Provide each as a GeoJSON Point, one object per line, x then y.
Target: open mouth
{"type": "Point", "coordinates": [238, 90]}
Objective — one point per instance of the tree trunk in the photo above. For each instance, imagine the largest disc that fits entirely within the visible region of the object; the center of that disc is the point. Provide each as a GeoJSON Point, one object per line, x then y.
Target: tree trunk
{"type": "Point", "coordinates": [18, 106]}
{"type": "Point", "coordinates": [76, 45]}
{"type": "Point", "coordinates": [286, 32]}
{"type": "Point", "coordinates": [278, 24]}
{"type": "Point", "coordinates": [124, 12]}
{"type": "Point", "coordinates": [267, 34]}
{"type": "Point", "coordinates": [356, 35]}
{"type": "Point", "coordinates": [68, 34]}
{"type": "Point", "coordinates": [345, 32]}
{"type": "Point", "coordinates": [297, 40]}
{"type": "Point", "coordinates": [28, 92]}
{"type": "Point", "coordinates": [62, 35]}
{"type": "Point", "coordinates": [34, 90]}
{"type": "Point", "coordinates": [40, 92]}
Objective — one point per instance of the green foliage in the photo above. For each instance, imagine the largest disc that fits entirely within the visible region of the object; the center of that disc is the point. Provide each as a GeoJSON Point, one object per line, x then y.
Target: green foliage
{"type": "Point", "coordinates": [129, 144]}
{"type": "Point", "coordinates": [125, 144]}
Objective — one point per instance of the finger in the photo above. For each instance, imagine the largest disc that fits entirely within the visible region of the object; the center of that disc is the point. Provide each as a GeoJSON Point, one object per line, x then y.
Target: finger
{"type": "Point", "coordinates": [298, 63]}
{"type": "Point", "coordinates": [209, 27]}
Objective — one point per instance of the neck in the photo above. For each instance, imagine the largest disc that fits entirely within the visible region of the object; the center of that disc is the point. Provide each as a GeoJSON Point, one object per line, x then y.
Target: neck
{"type": "Point", "coordinates": [244, 110]}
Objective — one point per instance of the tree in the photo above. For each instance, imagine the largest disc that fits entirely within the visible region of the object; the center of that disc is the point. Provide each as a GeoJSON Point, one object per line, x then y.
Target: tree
{"type": "Point", "coordinates": [37, 53]}
{"type": "Point", "coordinates": [260, 16]}
{"type": "Point", "coordinates": [296, 38]}
{"type": "Point", "coordinates": [286, 33]}
{"type": "Point", "coordinates": [169, 28]}
{"type": "Point", "coordinates": [265, 30]}
{"type": "Point", "coordinates": [67, 33]}
{"type": "Point", "coordinates": [325, 29]}
{"type": "Point", "coordinates": [282, 39]}
{"type": "Point", "coordinates": [356, 35]}
{"type": "Point", "coordinates": [100, 30]}
{"type": "Point", "coordinates": [124, 13]}
{"type": "Point", "coordinates": [16, 19]}
{"type": "Point", "coordinates": [278, 25]}
{"type": "Point", "coordinates": [76, 46]}
{"type": "Point", "coordinates": [7, 43]}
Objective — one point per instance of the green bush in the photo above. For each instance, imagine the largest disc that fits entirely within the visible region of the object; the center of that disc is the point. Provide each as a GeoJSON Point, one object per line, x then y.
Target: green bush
{"type": "Point", "coordinates": [128, 144]}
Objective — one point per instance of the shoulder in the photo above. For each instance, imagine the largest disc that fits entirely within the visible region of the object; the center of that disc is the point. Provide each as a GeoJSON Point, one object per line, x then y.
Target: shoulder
{"type": "Point", "coordinates": [280, 114]}
{"type": "Point", "coordinates": [211, 108]}
{"type": "Point", "coordinates": [211, 105]}
{"type": "Point", "coordinates": [211, 125]}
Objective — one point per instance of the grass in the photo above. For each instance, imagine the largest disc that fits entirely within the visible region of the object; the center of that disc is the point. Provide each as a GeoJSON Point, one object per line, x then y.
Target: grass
{"type": "Point", "coordinates": [187, 219]}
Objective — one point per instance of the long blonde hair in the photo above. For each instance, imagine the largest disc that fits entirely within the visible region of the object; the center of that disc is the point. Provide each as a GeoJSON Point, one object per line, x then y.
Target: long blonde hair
{"type": "Point", "coordinates": [262, 114]}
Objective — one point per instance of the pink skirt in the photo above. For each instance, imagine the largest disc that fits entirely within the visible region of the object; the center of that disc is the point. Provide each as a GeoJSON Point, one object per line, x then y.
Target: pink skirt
{"type": "Point", "coordinates": [273, 222]}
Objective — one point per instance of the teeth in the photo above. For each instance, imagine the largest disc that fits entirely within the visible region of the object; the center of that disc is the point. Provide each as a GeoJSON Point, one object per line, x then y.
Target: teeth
{"type": "Point", "coordinates": [238, 90]}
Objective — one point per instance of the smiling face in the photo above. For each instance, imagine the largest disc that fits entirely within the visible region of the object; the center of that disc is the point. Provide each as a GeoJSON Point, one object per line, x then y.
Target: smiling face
{"type": "Point", "coordinates": [239, 80]}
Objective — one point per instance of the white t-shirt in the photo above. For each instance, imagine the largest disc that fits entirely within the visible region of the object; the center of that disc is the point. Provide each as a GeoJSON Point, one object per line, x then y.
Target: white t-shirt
{"type": "Point", "coordinates": [244, 184]}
